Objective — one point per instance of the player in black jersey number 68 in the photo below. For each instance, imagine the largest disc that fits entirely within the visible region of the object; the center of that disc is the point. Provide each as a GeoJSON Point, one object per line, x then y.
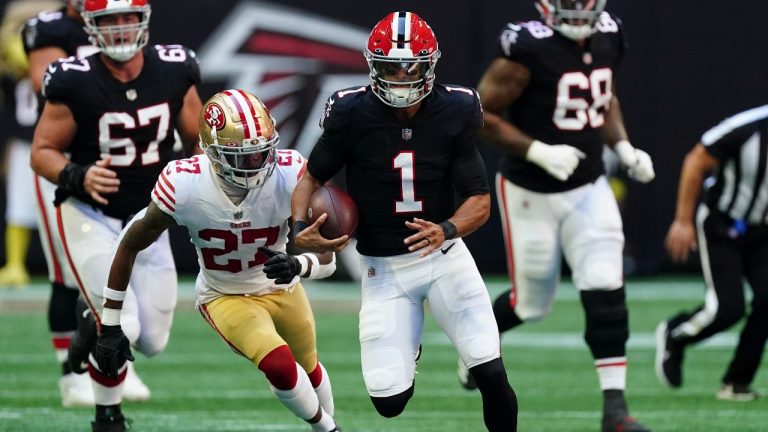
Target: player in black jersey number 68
{"type": "Point", "coordinates": [115, 114]}
{"type": "Point", "coordinates": [408, 145]}
{"type": "Point", "coordinates": [555, 79]}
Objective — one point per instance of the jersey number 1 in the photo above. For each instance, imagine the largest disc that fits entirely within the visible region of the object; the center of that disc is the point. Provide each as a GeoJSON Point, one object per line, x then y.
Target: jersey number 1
{"type": "Point", "coordinates": [404, 161]}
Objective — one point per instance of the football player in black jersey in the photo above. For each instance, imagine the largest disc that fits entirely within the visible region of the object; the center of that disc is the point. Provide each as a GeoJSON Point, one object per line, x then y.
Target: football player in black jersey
{"type": "Point", "coordinates": [554, 77]}
{"type": "Point", "coordinates": [47, 37]}
{"type": "Point", "coordinates": [408, 145]}
{"type": "Point", "coordinates": [115, 113]}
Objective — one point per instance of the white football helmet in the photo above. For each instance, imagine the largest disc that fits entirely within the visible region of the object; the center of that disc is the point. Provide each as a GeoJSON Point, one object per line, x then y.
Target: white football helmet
{"type": "Point", "coordinates": [239, 136]}
{"type": "Point", "coordinates": [119, 42]}
{"type": "Point", "coordinates": [574, 19]}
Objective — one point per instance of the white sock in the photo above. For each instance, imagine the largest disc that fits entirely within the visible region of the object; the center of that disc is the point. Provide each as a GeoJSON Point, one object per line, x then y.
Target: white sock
{"type": "Point", "coordinates": [302, 401]}
{"type": "Point", "coordinates": [612, 373]}
{"type": "Point", "coordinates": [324, 392]}
{"type": "Point", "coordinates": [104, 395]}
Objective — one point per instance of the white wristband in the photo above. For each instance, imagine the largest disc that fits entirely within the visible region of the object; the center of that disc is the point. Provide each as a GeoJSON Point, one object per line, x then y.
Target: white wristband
{"type": "Point", "coordinates": [315, 265]}
{"type": "Point", "coordinates": [304, 262]}
{"type": "Point", "coordinates": [115, 295]}
{"type": "Point", "coordinates": [110, 316]}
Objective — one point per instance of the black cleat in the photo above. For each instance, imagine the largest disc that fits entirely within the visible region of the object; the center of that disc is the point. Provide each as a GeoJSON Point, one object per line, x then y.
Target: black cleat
{"type": "Point", "coordinates": [669, 357]}
{"type": "Point", "coordinates": [116, 424]}
{"type": "Point", "coordinates": [465, 377]}
{"type": "Point", "coordinates": [83, 340]}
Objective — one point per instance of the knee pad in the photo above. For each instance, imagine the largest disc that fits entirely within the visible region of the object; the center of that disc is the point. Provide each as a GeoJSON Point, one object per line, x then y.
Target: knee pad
{"type": "Point", "coordinates": [392, 406]}
{"type": "Point", "coordinates": [279, 366]}
{"type": "Point", "coordinates": [61, 309]}
{"type": "Point", "coordinates": [600, 273]}
{"type": "Point", "coordinates": [607, 328]}
{"type": "Point", "coordinates": [506, 317]}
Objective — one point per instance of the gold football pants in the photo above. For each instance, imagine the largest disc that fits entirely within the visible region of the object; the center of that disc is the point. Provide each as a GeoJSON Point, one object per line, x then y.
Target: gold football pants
{"type": "Point", "coordinates": [253, 326]}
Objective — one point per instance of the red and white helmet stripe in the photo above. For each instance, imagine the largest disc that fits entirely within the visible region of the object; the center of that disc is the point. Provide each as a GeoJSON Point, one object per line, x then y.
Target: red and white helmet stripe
{"type": "Point", "coordinates": [238, 102]}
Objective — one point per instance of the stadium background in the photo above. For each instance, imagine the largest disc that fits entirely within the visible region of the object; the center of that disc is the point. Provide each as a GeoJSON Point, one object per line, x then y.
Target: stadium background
{"type": "Point", "coordinates": [687, 67]}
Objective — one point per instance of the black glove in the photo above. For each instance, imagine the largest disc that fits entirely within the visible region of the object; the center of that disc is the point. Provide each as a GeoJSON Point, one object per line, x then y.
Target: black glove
{"type": "Point", "coordinates": [280, 266]}
{"type": "Point", "coordinates": [112, 350]}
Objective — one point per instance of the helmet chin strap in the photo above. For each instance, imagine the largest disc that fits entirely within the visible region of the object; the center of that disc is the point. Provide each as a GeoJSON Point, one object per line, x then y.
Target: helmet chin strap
{"type": "Point", "coordinates": [576, 33]}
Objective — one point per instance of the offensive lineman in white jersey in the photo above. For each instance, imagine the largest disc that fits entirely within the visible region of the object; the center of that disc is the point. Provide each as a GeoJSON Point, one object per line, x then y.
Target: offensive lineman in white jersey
{"type": "Point", "coordinates": [236, 203]}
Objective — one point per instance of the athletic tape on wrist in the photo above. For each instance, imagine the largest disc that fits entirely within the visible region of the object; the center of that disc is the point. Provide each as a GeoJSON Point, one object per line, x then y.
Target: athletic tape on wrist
{"type": "Point", "coordinates": [315, 264]}
{"type": "Point", "coordinates": [115, 295]}
{"type": "Point", "coordinates": [110, 316]}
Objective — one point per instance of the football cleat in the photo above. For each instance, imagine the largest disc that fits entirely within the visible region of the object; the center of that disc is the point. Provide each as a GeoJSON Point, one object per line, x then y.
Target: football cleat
{"type": "Point", "coordinates": [669, 358]}
{"type": "Point", "coordinates": [623, 424]}
{"type": "Point", "coordinates": [15, 276]}
{"type": "Point", "coordinates": [134, 389]}
{"type": "Point", "coordinates": [737, 392]}
{"type": "Point", "coordinates": [116, 424]}
{"type": "Point", "coordinates": [465, 377]}
{"type": "Point", "coordinates": [76, 390]}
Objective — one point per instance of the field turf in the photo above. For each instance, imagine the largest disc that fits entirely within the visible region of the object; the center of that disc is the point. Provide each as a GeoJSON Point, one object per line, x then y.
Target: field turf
{"type": "Point", "coordinates": [198, 384]}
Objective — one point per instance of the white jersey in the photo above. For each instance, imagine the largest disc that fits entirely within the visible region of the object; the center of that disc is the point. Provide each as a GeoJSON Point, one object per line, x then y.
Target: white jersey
{"type": "Point", "coordinates": [227, 236]}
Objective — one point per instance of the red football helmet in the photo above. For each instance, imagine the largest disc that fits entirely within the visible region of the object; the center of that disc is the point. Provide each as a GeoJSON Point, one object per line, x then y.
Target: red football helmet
{"type": "Point", "coordinates": [574, 19]}
{"type": "Point", "coordinates": [118, 41]}
{"type": "Point", "coordinates": [402, 53]}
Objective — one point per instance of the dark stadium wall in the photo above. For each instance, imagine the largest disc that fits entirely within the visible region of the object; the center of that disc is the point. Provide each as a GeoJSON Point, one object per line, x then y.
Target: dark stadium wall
{"type": "Point", "coordinates": [687, 67]}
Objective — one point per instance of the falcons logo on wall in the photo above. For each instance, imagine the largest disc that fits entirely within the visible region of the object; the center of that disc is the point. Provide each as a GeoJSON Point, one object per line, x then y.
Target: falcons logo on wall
{"type": "Point", "coordinates": [290, 59]}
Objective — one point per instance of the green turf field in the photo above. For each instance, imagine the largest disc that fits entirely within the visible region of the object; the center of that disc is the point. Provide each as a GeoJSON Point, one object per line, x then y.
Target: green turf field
{"type": "Point", "coordinates": [198, 384]}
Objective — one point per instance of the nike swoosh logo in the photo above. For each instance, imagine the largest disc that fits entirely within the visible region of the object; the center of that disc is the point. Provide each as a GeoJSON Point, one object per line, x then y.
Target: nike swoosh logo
{"type": "Point", "coordinates": [446, 249]}
{"type": "Point", "coordinates": [52, 68]}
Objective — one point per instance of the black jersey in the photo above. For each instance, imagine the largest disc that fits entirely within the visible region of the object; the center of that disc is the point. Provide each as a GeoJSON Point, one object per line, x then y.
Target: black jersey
{"type": "Point", "coordinates": [132, 122]}
{"type": "Point", "coordinates": [565, 101]}
{"type": "Point", "coordinates": [57, 29]}
{"type": "Point", "coordinates": [400, 170]}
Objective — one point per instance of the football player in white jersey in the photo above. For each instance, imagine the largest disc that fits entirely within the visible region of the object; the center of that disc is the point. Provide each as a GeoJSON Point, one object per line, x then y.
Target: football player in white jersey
{"type": "Point", "coordinates": [236, 205]}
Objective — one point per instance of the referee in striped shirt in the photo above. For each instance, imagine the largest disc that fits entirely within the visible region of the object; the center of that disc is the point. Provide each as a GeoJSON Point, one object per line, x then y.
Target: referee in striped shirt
{"type": "Point", "coordinates": [730, 231]}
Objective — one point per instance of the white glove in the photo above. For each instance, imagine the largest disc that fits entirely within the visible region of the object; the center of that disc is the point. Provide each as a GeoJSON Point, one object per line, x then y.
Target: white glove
{"type": "Point", "coordinates": [558, 160]}
{"type": "Point", "coordinates": [638, 163]}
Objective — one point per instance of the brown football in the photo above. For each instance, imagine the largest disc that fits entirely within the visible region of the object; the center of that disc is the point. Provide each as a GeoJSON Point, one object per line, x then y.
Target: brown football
{"type": "Point", "coordinates": [341, 209]}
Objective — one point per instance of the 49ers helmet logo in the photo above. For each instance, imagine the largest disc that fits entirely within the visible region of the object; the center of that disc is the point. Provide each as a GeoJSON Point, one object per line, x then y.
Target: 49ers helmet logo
{"type": "Point", "coordinates": [214, 116]}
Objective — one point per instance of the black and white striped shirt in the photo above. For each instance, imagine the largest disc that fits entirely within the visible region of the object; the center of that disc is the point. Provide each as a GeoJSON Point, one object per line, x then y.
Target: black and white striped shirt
{"type": "Point", "coordinates": [739, 188]}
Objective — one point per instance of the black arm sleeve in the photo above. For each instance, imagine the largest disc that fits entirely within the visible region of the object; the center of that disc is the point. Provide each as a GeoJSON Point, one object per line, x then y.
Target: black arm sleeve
{"type": "Point", "coordinates": [328, 156]}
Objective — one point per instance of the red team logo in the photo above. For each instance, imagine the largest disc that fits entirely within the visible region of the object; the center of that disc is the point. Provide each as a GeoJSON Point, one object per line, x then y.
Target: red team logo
{"type": "Point", "coordinates": [214, 116]}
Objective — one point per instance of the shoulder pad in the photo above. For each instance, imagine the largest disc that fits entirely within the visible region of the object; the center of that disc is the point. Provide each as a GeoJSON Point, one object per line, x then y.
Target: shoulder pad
{"type": "Point", "coordinates": [339, 106]}
{"type": "Point", "coordinates": [44, 29]}
{"type": "Point", "coordinates": [170, 184]}
{"type": "Point", "coordinates": [468, 101]}
{"type": "Point", "coordinates": [181, 55]}
{"type": "Point", "coordinates": [62, 76]}
{"type": "Point", "coordinates": [292, 165]}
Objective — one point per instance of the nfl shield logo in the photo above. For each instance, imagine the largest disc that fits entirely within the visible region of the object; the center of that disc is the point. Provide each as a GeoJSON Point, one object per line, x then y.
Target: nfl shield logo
{"type": "Point", "coordinates": [238, 214]}
{"type": "Point", "coordinates": [407, 134]}
{"type": "Point", "coordinates": [131, 94]}
{"type": "Point", "coordinates": [371, 272]}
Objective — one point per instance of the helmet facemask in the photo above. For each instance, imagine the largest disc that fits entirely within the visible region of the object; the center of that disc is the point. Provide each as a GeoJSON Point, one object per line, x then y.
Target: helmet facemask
{"type": "Point", "coordinates": [118, 42]}
{"type": "Point", "coordinates": [401, 81]}
{"type": "Point", "coordinates": [574, 19]}
{"type": "Point", "coordinates": [246, 165]}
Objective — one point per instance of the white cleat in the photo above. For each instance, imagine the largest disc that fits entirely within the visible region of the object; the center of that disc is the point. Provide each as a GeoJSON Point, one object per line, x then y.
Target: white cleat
{"type": "Point", "coordinates": [76, 390]}
{"type": "Point", "coordinates": [134, 389]}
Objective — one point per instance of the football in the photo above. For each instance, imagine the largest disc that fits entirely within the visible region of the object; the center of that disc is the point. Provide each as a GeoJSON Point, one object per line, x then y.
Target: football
{"type": "Point", "coordinates": [341, 209]}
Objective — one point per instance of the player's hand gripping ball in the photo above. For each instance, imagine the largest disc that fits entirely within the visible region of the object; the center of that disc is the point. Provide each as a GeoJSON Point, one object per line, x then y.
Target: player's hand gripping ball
{"type": "Point", "coordinates": [341, 210]}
